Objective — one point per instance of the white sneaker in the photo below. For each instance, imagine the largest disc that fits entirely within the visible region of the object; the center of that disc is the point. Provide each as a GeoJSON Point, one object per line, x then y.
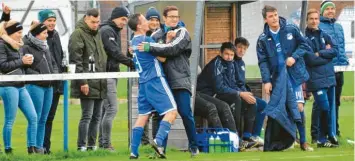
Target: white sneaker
{"type": "Point", "coordinates": [91, 148]}
{"type": "Point", "coordinates": [82, 149]}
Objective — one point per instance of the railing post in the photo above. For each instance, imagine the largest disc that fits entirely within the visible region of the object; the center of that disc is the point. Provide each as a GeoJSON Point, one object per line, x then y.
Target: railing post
{"type": "Point", "coordinates": [66, 108]}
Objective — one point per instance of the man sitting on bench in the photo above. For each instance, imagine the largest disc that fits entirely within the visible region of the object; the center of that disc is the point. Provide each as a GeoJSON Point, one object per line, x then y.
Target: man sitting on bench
{"type": "Point", "coordinates": [218, 78]}
{"type": "Point", "coordinates": [248, 98]}
{"type": "Point", "coordinates": [216, 111]}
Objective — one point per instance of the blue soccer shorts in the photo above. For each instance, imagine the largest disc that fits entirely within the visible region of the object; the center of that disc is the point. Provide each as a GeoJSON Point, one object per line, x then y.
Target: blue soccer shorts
{"type": "Point", "coordinates": [155, 95]}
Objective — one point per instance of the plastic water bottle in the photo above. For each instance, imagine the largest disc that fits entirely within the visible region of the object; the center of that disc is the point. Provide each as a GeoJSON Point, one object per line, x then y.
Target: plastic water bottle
{"type": "Point", "coordinates": [91, 64]}
{"type": "Point", "coordinates": [211, 145]}
{"type": "Point", "coordinates": [218, 144]}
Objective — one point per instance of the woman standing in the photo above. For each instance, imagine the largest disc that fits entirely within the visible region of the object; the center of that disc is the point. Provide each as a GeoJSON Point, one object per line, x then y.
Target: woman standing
{"type": "Point", "coordinates": [41, 92]}
{"type": "Point", "coordinates": [14, 94]}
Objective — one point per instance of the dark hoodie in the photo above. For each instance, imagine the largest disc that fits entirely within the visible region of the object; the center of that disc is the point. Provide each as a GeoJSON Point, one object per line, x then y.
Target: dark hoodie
{"type": "Point", "coordinates": [111, 38]}
{"type": "Point", "coordinates": [84, 43]}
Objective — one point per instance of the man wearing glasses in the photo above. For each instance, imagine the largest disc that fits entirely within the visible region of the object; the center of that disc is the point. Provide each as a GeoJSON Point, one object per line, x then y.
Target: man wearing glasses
{"type": "Point", "coordinates": [176, 67]}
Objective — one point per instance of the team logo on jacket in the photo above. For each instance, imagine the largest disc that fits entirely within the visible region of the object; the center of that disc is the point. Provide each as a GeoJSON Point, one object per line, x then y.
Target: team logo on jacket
{"type": "Point", "coordinates": [243, 68]}
{"type": "Point", "coordinates": [289, 36]}
{"type": "Point", "coordinates": [111, 38]}
{"type": "Point", "coordinates": [323, 41]}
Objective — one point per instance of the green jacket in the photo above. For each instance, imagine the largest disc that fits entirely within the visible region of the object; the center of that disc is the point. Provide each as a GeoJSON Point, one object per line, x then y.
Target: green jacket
{"type": "Point", "coordinates": [83, 43]}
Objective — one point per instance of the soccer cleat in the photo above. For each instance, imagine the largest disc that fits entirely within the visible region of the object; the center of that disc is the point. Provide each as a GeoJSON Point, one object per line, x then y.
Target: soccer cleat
{"type": "Point", "coordinates": [333, 140]}
{"type": "Point", "coordinates": [326, 144]}
{"type": "Point", "coordinates": [158, 150]}
{"type": "Point", "coordinates": [306, 147]}
{"type": "Point", "coordinates": [257, 139]}
{"type": "Point", "coordinates": [247, 145]}
{"type": "Point", "coordinates": [132, 156]}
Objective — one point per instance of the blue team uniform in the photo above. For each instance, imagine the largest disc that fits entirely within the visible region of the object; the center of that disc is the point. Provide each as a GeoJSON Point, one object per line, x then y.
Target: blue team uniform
{"type": "Point", "coordinates": [154, 92]}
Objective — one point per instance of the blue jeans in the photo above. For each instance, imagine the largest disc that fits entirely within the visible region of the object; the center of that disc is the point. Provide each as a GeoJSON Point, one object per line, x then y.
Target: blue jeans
{"type": "Point", "coordinates": [42, 99]}
{"type": "Point", "coordinates": [14, 97]}
{"type": "Point", "coordinates": [183, 99]}
{"type": "Point", "coordinates": [325, 100]}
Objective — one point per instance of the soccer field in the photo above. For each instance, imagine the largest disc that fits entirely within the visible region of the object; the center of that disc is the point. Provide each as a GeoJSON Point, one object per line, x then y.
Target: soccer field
{"type": "Point", "coordinates": [120, 137]}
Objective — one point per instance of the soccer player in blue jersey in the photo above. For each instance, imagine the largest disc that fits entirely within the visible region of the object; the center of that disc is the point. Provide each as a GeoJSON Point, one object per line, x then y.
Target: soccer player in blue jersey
{"type": "Point", "coordinates": [154, 92]}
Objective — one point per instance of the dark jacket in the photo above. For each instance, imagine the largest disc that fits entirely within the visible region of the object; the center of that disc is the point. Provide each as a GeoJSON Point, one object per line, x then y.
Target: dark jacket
{"type": "Point", "coordinates": [10, 63]}
{"type": "Point", "coordinates": [111, 38]}
{"type": "Point", "coordinates": [43, 62]}
{"type": "Point", "coordinates": [55, 47]}
{"type": "Point", "coordinates": [336, 32]}
{"type": "Point", "coordinates": [84, 43]}
{"type": "Point", "coordinates": [239, 66]}
{"type": "Point", "coordinates": [293, 45]}
{"type": "Point", "coordinates": [177, 53]}
{"type": "Point", "coordinates": [321, 69]}
{"type": "Point", "coordinates": [217, 77]}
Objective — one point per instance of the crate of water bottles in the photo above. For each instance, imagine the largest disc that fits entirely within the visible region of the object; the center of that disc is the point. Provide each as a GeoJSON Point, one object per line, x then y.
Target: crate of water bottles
{"type": "Point", "coordinates": [217, 140]}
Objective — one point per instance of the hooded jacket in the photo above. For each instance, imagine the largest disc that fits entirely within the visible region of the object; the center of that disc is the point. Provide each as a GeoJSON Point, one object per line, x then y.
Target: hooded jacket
{"type": "Point", "coordinates": [84, 43]}
{"type": "Point", "coordinates": [111, 38]}
{"type": "Point", "coordinates": [293, 45]}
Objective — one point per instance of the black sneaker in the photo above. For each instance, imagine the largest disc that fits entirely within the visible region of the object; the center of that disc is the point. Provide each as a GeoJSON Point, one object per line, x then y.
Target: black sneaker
{"type": "Point", "coordinates": [247, 145]}
{"type": "Point", "coordinates": [31, 150]}
{"type": "Point", "coordinates": [8, 151]}
{"type": "Point", "coordinates": [326, 144]}
{"type": "Point", "coordinates": [333, 140]}
{"type": "Point", "coordinates": [132, 156]}
{"type": "Point", "coordinates": [194, 152]}
{"type": "Point", "coordinates": [158, 150]}
{"type": "Point", "coordinates": [47, 151]}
